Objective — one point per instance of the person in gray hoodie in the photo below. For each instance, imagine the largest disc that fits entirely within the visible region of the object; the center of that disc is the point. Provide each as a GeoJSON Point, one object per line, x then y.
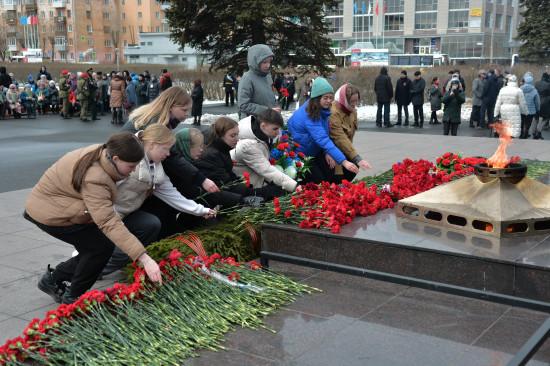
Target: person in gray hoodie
{"type": "Point", "coordinates": [532, 100]}
{"type": "Point", "coordinates": [255, 90]}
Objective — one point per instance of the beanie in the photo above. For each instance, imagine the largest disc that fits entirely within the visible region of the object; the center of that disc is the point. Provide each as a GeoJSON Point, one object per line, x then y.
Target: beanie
{"type": "Point", "coordinates": [416, 73]}
{"type": "Point", "coordinates": [404, 72]}
{"type": "Point", "coordinates": [132, 74]}
{"type": "Point", "coordinates": [481, 72]}
{"type": "Point", "coordinates": [455, 81]}
{"type": "Point", "coordinates": [64, 72]}
{"type": "Point", "coordinates": [320, 87]}
{"type": "Point", "coordinates": [30, 77]}
{"type": "Point", "coordinates": [507, 72]}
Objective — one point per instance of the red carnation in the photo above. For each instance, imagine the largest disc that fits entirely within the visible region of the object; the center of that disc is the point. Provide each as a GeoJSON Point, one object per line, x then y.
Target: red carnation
{"type": "Point", "coordinates": [288, 213]}
{"type": "Point", "coordinates": [272, 161]}
{"type": "Point", "coordinates": [301, 155]}
{"type": "Point", "coordinates": [296, 145]}
{"type": "Point", "coordinates": [447, 155]}
{"type": "Point", "coordinates": [280, 147]}
{"type": "Point", "coordinates": [292, 154]}
{"type": "Point", "coordinates": [299, 164]}
{"type": "Point", "coordinates": [247, 178]}
{"type": "Point", "coordinates": [458, 167]}
{"type": "Point", "coordinates": [284, 137]}
{"type": "Point", "coordinates": [446, 162]}
{"type": "Point", "coordinates": [437, 160]}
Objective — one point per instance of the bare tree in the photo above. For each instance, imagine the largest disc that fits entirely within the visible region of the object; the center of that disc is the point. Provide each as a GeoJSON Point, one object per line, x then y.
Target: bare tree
{"type": "Point", "coordinates": [51, 38]}
{"type": "Point", "coordinates": [115, 36]}
{"type": "Point", "coordinates": [3, 47]}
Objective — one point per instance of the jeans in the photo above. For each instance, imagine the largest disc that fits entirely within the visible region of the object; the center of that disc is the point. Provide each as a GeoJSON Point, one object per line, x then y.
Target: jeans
{"type": "Point", "coordinates": [405, 108]}
{"type": "Point", "coordinates": [490, 109]}
{"type": "Point", "coordinates": [386, 114]}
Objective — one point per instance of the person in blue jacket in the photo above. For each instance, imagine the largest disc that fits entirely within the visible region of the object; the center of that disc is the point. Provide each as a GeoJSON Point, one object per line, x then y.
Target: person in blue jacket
{"type": "Point", "coordinates": [309, 127]}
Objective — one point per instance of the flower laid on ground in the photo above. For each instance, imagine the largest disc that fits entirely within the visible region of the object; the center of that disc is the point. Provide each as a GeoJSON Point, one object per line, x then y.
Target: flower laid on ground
{"type": "Point", "coordinates": [201, 299]}
{"type": "Point", "coordinates": [454, 162]}
{"type": "Point", "coordinates": [285, 157]}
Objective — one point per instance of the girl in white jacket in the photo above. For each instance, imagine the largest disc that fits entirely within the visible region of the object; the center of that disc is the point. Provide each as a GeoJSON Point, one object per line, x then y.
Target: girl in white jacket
{"type": "Point", "coordinates": [149, 183]}
{"type": "Point", "coordinates": [508, 103]}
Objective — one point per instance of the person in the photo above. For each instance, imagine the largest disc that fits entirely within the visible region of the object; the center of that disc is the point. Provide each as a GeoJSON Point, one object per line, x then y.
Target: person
{"type": "Point", "coordinates": [12, 97]}
{"type": "Point", "coordinates": [198, 96]}
{"type": "Point", "coordinates": [453, 99]}
{"type": "Point", "coordinates": [434, 96]}
{"type": "Point", "coordinates": [500, 79]}
{"type": "Point", "coordinates": [278, 84]}
{"type": "Point", "coordinates": [488, 100]}
{"type": "Point", "coordinates": [92, 94]}
{"type": "Point", "coordinates": [130, 95]}
{"type": "Point", "coordinates": [141, 91]}
{"type": "Point", "coordinates": [146, 76]}
{"type": "Point", "coordinates": [169, 109]}
{"type": "Point", "coordinates": [236, 86]}
{"type": "Point", "coordinates": [304, 91]}
{"type": "Point", "coordinates": [148, 183]}
{"type": "Point", "coordinates": [255, 91]}
{"type": "Point", "coordinates": [251, 154]}
{"type": "Point", "coordinates": [403, 97]}
{"type": "Point", "coordinates": [74, 82]}
{"type": "Point", "coordinates": [228, 87]}
{"type": "Point", "coordinates": [13, 79]}
{"type": "Point", "coordinates": [5, 78]}
{"type": "Point", "coordinates": [309, 126]}
{"type": "Point", "coordinates": [74, 105]}
{"type": "Point", "coordinates": [165, 80]}
{"type": "Point", "coordinates": [343, 124]}
{"type": "Point", "coordinates": [477, 91]}
{"type": "Point", "coordinates": [541, 118]}
{"type": "Point", "coordinates": [216, 164]}
{"type": "Point", "coordinates": [3, 104]}
{"type": "Point", "coordinates": [83, 96]}
{"type": "Point", "coordinates": [417, 98]}
{"type": "Point", "coordinates": [104, 85]}
{"type": "Point", "coordinates": [290, 87]}
{"type": "Point", "coordinates": [64, 88]}
{"type": "Point", "coordinates": [118, 97]}
{"type": "Point", "coordinates": [384, 95]}
{"type": "Point", "coordinates": [532, 100]}
{"type": "Point", "coordinates": [153, 88]}
{"type": "Point", "coordinates": [28, 100]}
{"type": "Point", "coordinates": [42, 94]}
{"type": "Point", "coordinates": [508, 104]}
{"type": "Point", "coordinates": [32, 83]}
{"type": "Point", "coordinates": [53, 98]}
{"type": "Point", "coordinates": [44, 72]}
{"type": "Point", "coordinates": [73, 202]}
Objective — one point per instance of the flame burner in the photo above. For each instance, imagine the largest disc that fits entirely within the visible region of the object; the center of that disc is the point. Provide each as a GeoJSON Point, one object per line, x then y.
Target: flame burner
{"type": "Point", "coordinates": [513, 173]}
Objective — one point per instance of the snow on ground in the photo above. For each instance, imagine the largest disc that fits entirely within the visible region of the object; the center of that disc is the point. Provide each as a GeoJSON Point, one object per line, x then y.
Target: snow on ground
{"type": "Point", "coordinates": [365, 114]}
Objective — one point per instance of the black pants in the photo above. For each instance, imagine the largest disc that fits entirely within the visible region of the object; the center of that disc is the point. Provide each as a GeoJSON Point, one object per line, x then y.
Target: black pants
{"type": "Point", "coordinates": [95, 250]}
{"type": "Point", "coordinates": [418, 111]}
{"type": "Point", "coordinates": [488, 107]}
{"type": "Point", "coordinates": [320, 171]}
{"type": "Point", "coordinates": [452, 127]}
{"type": "Point", "coordinates": [405, 108]}
{"type": "Point", "coordinates": [288, 100]}
{"type": "Point", "coordinates": [229, 95]}
{"type": "Point", "coordinates": [526, 120]}
{"type": "Point", "coordinates": [476, 113]}
{"type": "Point", "coordinates": [348, 175]}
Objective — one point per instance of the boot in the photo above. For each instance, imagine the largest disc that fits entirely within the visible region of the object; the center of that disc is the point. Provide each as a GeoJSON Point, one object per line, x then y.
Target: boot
{"type": "Point", "coordinates": [199, 122]}
{"type": "Point", "coordinates": [436, 122]}
{"type": "Point", "coordinates": [431, 120]}
{"type": "Point", "coordinates": [48, 285]}
{"type": "Point", "coordinates": [539, 134]}
{"type": "Point", "coordinates": [68, 297]}
{"type": "Point", "coordinates": [195, 121]}
{"type": "Point", "coordinates": [119, 116]}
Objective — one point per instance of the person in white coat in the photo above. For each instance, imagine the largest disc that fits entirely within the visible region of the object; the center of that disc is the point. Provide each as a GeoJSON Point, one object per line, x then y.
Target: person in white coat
{"type": "Point", "coordinates": [256, 134]}
{"type": "Point", "coordinates": [509, 101]}
{"type": "Point", "coordinates": [148, 181]}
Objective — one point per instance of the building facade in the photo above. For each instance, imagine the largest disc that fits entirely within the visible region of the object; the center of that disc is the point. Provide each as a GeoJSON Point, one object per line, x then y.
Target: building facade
{"type": "Point", "coordinates": [462, 29]}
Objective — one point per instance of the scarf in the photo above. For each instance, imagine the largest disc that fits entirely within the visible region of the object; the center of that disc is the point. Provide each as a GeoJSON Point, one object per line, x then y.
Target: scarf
{"type": "Point", "coordinates": [173, 122]}
{"type": "Point", "coordinates": [257, 131]}
{"type": "Point", "coordinates": [183, 144]}
{"type": "Point", "coordinates": [340, 98]}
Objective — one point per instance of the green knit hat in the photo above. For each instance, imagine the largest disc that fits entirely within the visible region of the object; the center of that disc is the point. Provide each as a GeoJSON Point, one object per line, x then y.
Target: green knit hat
{"type": "Point", "coordinates": [320, 87]}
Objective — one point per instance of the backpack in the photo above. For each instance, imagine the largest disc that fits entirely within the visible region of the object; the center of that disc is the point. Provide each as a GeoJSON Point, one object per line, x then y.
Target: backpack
{"type": "Point", "coordinates": [167, 83]}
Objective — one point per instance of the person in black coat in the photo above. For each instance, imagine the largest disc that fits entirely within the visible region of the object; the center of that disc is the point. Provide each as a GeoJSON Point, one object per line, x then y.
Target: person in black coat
{"type": "Point", "coordinates": [541, 118]}
{"type": "Point", "coordinates": [403, 97]}
{"type": "Point", "coordinates": [417, 99]}
{"type": "Point", "coordinates": [488, 100]}
{"type": "Point", "coordinates": [291, 89]}
{"type": "Point", "coordinates": [228, 84]}
{"type": "Point", "coordinates": [384, 95]}
{"type": "Point", "coordinates": [198, 96]}
{"type": "Point", "coordinates": [46, 73]}
{"type": "Point", "coordinates": [278, 84]}
{"type": "Point", "coordinates": [5, 79]}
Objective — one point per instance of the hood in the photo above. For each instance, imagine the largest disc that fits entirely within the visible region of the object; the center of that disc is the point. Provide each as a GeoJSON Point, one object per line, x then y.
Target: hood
{"type": "Point", "coordinates": [167, 75]}
{"type": "Point", "coordinates": [527, 88]}
{"type": "Point", "coordinates": [2, 70]}
{"type": "Point", "coordinates": [528, 79]}
{"type": "Point", "coordinates": [256, 54]}
{"type": "Point", "coordinates": [118, 77]}
{"type": "Point", "coordinates": [245, 129]}
{"type": "Point", "coordinates": [384, 71]}
{"type": "Point", "coordinates": [43, 66]}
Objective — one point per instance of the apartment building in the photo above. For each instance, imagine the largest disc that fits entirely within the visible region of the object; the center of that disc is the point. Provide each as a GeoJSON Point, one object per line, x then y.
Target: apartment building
{"type": "Point", "coordinates": [463, 29]}
{"type": "Point", "coordinates": [78, 30]}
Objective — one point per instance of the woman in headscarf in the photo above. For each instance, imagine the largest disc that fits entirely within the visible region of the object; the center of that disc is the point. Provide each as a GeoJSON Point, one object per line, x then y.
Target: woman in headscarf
{"type": "Point", "coordinates": [343, 124]}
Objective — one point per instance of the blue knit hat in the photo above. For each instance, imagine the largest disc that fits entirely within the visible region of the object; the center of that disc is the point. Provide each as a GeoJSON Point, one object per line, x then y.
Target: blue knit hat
{"type": "Point", "coordinates": [320, 87]}
{"type": "Point", "coordinates": [30, 77]}
{"type": "Point", "coordinates": [133, 74]}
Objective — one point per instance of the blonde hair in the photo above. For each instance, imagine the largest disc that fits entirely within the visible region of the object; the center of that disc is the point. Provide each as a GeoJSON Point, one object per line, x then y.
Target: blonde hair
{"type": "Point", "coordinates": [195, 138]}
{"type": "Point", "coordinates": [160, 107]}
{"type": "Point", "coordinates": [159, 134]}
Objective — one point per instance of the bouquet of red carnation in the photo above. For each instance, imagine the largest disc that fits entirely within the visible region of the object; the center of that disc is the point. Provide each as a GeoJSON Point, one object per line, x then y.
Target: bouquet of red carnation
{"type": "Point", "coordinates": [285, 94]}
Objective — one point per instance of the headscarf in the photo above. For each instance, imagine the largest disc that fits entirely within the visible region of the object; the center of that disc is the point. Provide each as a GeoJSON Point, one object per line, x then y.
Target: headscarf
{"type": "Point", "coordinates": [342, 101]}
{"type": "Point", "coordinates": [183, 144]}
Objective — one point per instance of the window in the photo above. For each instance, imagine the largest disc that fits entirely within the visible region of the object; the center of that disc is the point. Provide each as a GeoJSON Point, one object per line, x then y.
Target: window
{"type": "Point", "coordinates": [340, 9]}
{"type": "Point", "coordinates": [498, 21]}
{"type": "Point", "coordinates": [42, 14]}
{"type": "Point", "coordinates": [158, 28]}
{"type": "Point", "coordinates": [43, 29]}
{"type": "Point", "coordinates": [500, 2]}
{"type": "Point", "coordinates": [139, 2]}
{"type": "Point", "coordinates": [149, 43]}
{"type": "Point", "coordinates": [488, 19]}
{"type": "Point", "coordinates": [122, 2]}
{"type": "Point", "coordinates": [142, 43]}
{"type": "Point", "coordinates": [123, 30]}
{"type": "Point", "coordinates": [88, 14]}
{"type": "Point", "coordinates": [89, 28]}
{"type": "Point", "coordinates": [106, 16]}
{"type": "Point", "coordinates": [70, 28]}
{"type": "Point", "coordinates": [149, 59]}
{"type": "Point", "coordinates": [459, 13]}
{"type": "Point", "coordinates": [459, 4]}
{"type": "Point", "coordinates": [108, 56]}
{"type": "Point", "coordinates": [511, 3]}
{"type": "Point", "coordinates": [157, 15]}
{"type": "Point", "coordinates": [393, 6]}
{"type": "Point", "coordinates": [426, 20]}
{"type": "Point", "coordinates": [140, 29]}
{"type": "Point", "coordinates": [105, 2]}
{"type": "Point", "coordinates": [394, 22]}
{"type": "Point", "coordinates": [90, 42]}
{"type": "Point", "coordinates": [165, 28]}
{"type": "Point", "coordinates": [69, 13]}
{"type": "Point", "coordinates": [123, 16]}
{"type": "Point", "coordinates": [60, 13]}
{"type": "Point", "coordinates": [51, 14]}
{"type": "Point", "coordinates": [63, 55]}
{"type": "Point", "coordinates": [41, 2]}
{"type": "Point", "coordinates": [426, 5]}
{"type": "Point", "coordinates": [108, 43]}
{"type": "Point", "coordinates": [125, 43]}
{"type": "Point", "coordinates": [71, 56]}
{"type": "Point", "coordinates": [336, 24]}
{"type": "Point", "coordinates": [88, 1]}
{"type": "Point", "coordinates": [106, 29]}
{"type": "Point", "coordinates": [509, 25]}
{"type": "Point", "coordinates": [51, 29]}
{"type": "Point", "coordinates": [139, 14]}
{"type": "Point", "coordinates": [184, 59]}
{"type": "Point", "coordinates": [70, 41]}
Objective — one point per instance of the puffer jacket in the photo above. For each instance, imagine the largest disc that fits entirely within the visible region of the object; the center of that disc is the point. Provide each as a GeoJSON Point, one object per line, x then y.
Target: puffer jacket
{"type": "Point", "coordinates": [153, 89]}
{"type": "Point", "coordinates": [543, 87]}
{"type": "Point", "coordinates": [509, 101]}
{"type": "Point", "coordinates": [252, 156]}
{"type": "Point", "coordinates": [313, 136]}
{"type": "Point", "coordinates": [531, 95]}
{"type": "Point", "coordinates": [118, 92]}
{"type": "Point", "coordinates": [342, 130]}
{"type": "Point", "coordinates": [255, 90]}
{"type": "Point", "coordinates": [54, 201]}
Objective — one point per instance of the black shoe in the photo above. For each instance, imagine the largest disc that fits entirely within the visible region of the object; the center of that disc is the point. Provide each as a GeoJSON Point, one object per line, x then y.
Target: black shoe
{"type": "Point", "coordinates": [421, 124]}
{"type": "Point", "coordinates": [437, 123]}
{"type": "Point", "coordinates": [398, 124]}
{"type": "Point", "coordinates": [68, 298]}
{"type": "Point", "coordinates": [379, 126]}
{"type": "Point", "coordinates": [85, 119]}
{"type": "Point", "coordinates": [415, 124]}
{"type": "Point", "coordinates": [96, 119]}
{"type": "Point", "coordinates": [47, 284]}
{"type": "Point", "coordinates": [536, 136]}
{"type": "Point", "coordinates": [406, 124]}
{"type": "Point", "coordinates": [388, 126]}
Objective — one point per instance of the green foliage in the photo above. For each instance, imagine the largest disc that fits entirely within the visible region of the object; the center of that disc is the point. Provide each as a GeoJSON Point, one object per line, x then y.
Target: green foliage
{"type": "Point", "coordinates": [380, 179]}
{"type": "Point", "coordinates": [536, 168]}
{"type": "Point", "coordinates": [533, 31]}
{"type": "Point", "coordinates": [296, 30]}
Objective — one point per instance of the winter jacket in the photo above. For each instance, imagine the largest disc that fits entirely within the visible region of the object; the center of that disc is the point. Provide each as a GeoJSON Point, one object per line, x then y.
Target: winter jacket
{"type": "Point", "coordinates": [141, 93]}
{"type": "Point", "coordinates": [255, 90]}
{"type": "Point", "coordinates": [228, 82]}
{"type": "Point", "coordinates": [64, 86]}
{"type": "Point", "coordinates": [383, 87]}
{"type": "Point", "coordinates": [417, 91]}
{"type": "Point", "coordinates": [216, 164]}
{"type": "Point", "coordinates": [46, 73]}
{"type": "Point", "coordinates": [447, 84]}
{"type": "Point", "coordinates": [82, 87]}
{"type": "Point", "coordinates": [313, 136]}
{"type": "Point", "coordinates": [54, 201]}
{"type": "Point", "coordinates": [118, 92]}
{"type": "Point", "coordinates": [403, 91]}
{"type": "Point", "coordinates": [532, 98]}
{"type": "Point", "coordinates": [508, 104]}
{"type": "Point", "coordinates": [53, 97]}
{"type": "Point", "coordinates": [434, 96]}
{"type": "Point", "coordinates": [453, 105]}
{"type": "Point", "coordinates": [12, 98]}
{"type": "Point", "coordinates": [26, 96]}
{"type": "Point", "coordinates": [42, 95]}
{"type": "Point", "coordinates": [543, 87]}
{"type": "Point", "coordinates": [197, 96]}
{"type": "Point", "coordinates": [252, 155]}
{"type": "Point", "coordinates": [153, 89]}
{"type": "Point", "coordinates": [477, 90]}
{"type": "Point", "coordinates": [342, 131]}
{"type": "Point", "coordinates": [5, 79]}
{"type": "Point", "coordinates": [490, 90]}
{"type": "Point", "coordinates": [165, 81]}
{"type": "Point", "coordinates": [131, 94]}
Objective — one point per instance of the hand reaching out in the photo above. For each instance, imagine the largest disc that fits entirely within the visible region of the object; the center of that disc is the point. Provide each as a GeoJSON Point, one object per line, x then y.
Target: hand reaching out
{"type": "Point", "coordinates": [151, 268]}
{"type": "Point", "coordinates": [330, 161]}
{"type": "Point", "coordinates": [210, 186]}
{"type": "Point", "coordinates": [363, 164]}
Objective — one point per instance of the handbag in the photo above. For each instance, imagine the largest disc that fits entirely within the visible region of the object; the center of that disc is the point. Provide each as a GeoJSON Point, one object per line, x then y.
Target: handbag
{"type": "Point", "coordinates": [18, 107]}
{"type": "Point", "coordinates": [127, 105]}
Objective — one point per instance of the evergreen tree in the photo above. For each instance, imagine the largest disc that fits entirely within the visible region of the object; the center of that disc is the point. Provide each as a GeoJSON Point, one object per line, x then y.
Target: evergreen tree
{"type": "Point", "coordinates": [533, 30]}
{"type": "Point", "coordinates": [295, 30]}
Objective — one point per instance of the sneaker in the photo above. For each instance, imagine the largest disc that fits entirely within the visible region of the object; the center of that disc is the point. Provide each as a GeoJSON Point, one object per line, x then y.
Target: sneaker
{"type": "Point", "coordinates": [252, 201]}
{"type": "Point", "coordinates": [47, 284]}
